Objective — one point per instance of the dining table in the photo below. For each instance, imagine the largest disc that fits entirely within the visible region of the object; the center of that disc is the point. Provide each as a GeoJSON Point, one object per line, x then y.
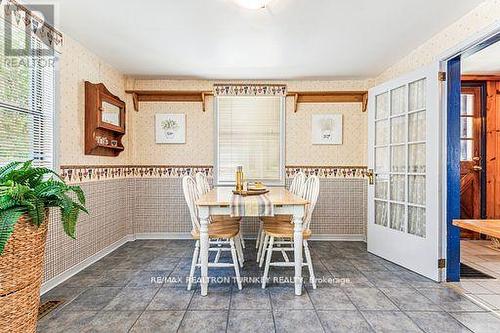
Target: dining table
{"type": "Point", "coordinates": [217, 202]}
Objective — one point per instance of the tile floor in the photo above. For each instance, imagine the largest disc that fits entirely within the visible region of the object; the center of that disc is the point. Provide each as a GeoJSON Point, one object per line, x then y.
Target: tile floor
{"type": "Point", "coordinates": [141, 287]}
{"type": "Point", "coordinates": [480, 255]}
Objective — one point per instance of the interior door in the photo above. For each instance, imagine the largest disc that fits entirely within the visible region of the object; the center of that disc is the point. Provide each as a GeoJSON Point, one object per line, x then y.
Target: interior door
{"type": "Point", "coordinates": [470, 156]}
{"type": "Point", "coordinates": [403, 150]}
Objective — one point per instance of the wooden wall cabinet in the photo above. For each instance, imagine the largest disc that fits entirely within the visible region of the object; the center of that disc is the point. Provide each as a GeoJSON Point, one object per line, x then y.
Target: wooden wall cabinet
{"type": "Point", "coordinates": [104, 121]}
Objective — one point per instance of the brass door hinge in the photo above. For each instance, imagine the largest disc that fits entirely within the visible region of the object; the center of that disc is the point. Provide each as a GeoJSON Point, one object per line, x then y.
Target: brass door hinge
{"type": "Point", "coordinates": [441, 263]}
{"type": "Point", "coordinates": [442, 76]}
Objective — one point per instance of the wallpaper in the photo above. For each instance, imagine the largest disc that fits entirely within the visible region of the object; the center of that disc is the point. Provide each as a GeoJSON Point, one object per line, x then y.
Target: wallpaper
{"type": "Point", "coordinates": [479, 18]}
{"type": "Point", "coordinates": [199, 147]}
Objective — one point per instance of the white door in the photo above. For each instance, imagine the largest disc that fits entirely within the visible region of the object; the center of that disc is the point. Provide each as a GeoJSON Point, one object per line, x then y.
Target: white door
{"type": "Point", "coordinates": [403, 151]}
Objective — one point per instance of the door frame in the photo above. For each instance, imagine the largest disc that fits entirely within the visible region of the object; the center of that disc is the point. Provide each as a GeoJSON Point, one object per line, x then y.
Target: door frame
{"type": "Point", "coordinates": [451, 63]}
{"type": "Point", "coordinates": [482, 148]}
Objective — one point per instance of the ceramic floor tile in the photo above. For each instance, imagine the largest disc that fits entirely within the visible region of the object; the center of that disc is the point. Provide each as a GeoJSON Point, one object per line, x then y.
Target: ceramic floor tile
{"type": "Point", "coordinates": [285, 298]}
{"type": "Point", "coordinates": [409, 299]}
{"type": "Point", "coordinates": [492, 300]}
{"type": "Point", "coordinates": [95, 298]}
{"type": "Point", "coordinates": [479, 322]}
{"type": "Point", "coordinates": [132, 299]}
{"type": "Point", "coordinates": [158, 321]}
{"type": "Point", "coordinates": [251, 321]}
{"type": "Point", "coordinates": [66, 322]}
{"type": "Point", "coordinates": [450, 300]}
{"type": "Point", "coordinates": [174, 298]}
{"type": "Point", "coordinates": [113, 321]}
{"type": "Point", "coordinates": [330, 299]}
{"type": "Point", "coordinates": [250, 298]}
{"type": "Point", "coordinates": [297, 321]}
{"type": "Point", "coordinates": [369, 299]}
{"type": "Point", "coordinates": [218, 299]}
{"type": "Point", "coordinates": [344, 322]}
{"type": "Point", "coordinates": [204, 321]}
{"type": "Point", "coordinates": [437, 322]}
{"type": "Point", "coordinates": [390, 321]}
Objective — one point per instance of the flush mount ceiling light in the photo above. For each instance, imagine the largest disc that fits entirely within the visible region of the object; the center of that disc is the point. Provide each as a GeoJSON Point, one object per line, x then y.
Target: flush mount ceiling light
{"type": "Point", "coordinates": [253, 4]}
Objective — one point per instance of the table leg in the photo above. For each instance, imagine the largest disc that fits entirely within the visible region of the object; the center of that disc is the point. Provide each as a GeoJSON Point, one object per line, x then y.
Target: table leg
{"type": "Point", "coordinates": [297, 245]}
{"type": "Point", "coordinates": [203, 213]}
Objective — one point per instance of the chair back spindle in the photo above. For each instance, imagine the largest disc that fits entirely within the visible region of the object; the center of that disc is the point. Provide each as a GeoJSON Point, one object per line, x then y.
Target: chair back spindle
{"type": "Point", "coordinates": [202, 183]}
{"type": "Point", "coordinates": [311, 193]}
{"type": "Point", "coordinates": [191, 194]}
{"type": "Point", "coordinates": [298, 183]}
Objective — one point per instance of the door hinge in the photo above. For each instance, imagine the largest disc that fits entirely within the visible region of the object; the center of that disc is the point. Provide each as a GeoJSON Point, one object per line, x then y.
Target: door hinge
{"type": "Point", "coordinates": [441, 263]}
{"type": "Point", "coordinates": [442, 76]}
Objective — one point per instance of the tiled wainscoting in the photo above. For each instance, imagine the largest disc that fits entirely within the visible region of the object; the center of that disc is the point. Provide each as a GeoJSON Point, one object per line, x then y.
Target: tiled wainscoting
{"type": "Point", "coordinates": [130, 204]}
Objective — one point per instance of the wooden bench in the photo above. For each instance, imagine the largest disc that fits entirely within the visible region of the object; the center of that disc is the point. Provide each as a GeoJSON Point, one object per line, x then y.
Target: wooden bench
{"type": "Point", "coordinates": [486, 227]}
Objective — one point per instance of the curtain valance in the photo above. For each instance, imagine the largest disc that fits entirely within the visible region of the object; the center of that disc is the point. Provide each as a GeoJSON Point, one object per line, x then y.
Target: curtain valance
{"type": "Point", "coordinates": [249, 90]}
{"type": "Point", "coordinates": [22, 18]}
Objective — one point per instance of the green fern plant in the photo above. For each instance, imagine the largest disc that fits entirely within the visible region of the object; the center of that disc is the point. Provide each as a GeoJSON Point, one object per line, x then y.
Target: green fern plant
{"type": "Point", "coordinates": [25, 189]}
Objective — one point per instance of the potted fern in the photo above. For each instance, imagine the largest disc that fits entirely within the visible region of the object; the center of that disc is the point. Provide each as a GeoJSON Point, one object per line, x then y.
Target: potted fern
{"type": "Point", "coordinates": [26, 194]}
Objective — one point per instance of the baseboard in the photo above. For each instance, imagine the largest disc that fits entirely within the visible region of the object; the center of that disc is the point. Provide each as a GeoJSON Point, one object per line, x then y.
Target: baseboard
{"type": "Point", "coordinates": [48, 285]}
{"type": "Point", "coordinates": [163, 235]}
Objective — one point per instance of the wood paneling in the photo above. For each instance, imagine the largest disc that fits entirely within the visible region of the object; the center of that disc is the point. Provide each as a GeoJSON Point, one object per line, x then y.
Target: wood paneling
{"type": "Point", "coordinates": [493, 150]}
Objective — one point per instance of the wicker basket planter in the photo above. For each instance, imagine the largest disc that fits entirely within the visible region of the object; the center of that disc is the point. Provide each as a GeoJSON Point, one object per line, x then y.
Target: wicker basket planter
{"type": "Point", "coordinates": [21, 266]}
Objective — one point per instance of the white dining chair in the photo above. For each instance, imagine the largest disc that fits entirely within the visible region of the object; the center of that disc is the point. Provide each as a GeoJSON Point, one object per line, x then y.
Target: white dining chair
{"type": "Point", "coordinates": [297, 188]}
{"type": "Point", "coordinates": [284, 232]}
{"type": "Point", "coordinates": [220, 234]}
{"type": "Point", "coordinates": [203, 186]}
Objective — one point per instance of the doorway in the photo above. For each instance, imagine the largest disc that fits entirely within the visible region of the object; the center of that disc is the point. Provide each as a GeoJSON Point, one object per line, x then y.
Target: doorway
{"type": "Point", "coordinates": [477, 120]}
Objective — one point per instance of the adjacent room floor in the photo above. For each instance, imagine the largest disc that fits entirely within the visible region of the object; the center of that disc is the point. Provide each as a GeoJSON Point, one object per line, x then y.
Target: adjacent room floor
{"type": "Point", "coordinates": [141, 287]}
{"type": "Point", "coordinates": [481, 255]}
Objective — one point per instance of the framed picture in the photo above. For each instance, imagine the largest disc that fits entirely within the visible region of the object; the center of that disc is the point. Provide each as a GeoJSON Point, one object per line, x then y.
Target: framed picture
{"type": "Point", "coordinates": [170, 128]}
{"type": "Point", "coordinates": [326, 129]}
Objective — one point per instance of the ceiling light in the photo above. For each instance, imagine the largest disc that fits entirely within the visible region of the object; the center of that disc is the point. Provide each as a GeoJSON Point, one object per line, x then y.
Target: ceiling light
{"type": "Point", "coordinates": [253, 4]}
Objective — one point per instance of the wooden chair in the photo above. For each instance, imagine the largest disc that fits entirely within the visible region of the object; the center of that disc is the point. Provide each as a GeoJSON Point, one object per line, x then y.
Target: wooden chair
{"type": "Point", "coordinates": [203, 187]}
{"type": "Point", "coordinates": [297, 188]}
{"type": "Point", "coordinates": [285, 232]}
{"type": "Point", "coordinates": [220, 234]}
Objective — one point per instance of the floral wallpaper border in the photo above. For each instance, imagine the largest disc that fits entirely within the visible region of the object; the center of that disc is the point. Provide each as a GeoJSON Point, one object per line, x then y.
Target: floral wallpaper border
{"type": "Point", "coordinates": [249, 90]}
{"type": "Point", "coordinates": [85, 173]}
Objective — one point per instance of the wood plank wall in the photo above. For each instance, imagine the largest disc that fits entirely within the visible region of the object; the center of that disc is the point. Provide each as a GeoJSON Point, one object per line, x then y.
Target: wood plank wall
{"type": "Point", "coordinates": [493, 150]}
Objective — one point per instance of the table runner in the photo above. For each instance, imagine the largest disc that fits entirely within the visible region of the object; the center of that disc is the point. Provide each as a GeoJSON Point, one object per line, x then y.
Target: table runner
{"type": "Point", "coordinates": [252, 205]}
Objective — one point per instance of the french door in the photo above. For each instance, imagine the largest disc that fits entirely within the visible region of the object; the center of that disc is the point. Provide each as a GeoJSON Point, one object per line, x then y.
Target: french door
{"type": "Point", "coordinates": [403, 151]}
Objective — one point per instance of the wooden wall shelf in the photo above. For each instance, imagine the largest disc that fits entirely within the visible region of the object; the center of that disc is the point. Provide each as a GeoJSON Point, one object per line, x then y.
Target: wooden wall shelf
{"type": "Point", "coordinates": [200, 96]}
{"type": "Point", "coordinates": [330, 97]}
{"type": "Point", "coordinates": [168, 96]}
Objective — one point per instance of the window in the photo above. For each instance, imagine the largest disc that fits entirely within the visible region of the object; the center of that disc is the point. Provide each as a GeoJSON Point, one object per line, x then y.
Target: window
{"type": "Point", "coordinates": [250, 133]}
{"type": "Point", "coordinates": [466, 127]}
{"type": "Point", "coordinates": [26, 101]}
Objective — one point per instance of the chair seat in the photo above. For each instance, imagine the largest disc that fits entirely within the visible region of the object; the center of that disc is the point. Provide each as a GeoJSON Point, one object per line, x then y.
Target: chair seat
{"type": "Point", "coordinates": [221, 229]}
{"type": "Point", "coordinates": [283, 230]}
{"type": "Point", "coordinates": [224, 218]}
{"type": "Point", "coordinates": [277, 219]}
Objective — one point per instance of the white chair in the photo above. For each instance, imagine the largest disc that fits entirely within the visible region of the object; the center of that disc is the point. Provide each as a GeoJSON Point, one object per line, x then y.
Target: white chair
{"type": "Point", "coordinates": [219, 234]}
{"type": "Point", "coordinates": [203, 187]}
{"type": "Point", "coordinates": [297, 188]}
{"type": "Point", "coordinates": [285, 232]}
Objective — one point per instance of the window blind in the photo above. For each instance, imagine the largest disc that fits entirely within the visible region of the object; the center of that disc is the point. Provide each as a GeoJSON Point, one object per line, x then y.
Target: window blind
{"type": "Point", "coordinates": [27, 86]}
{"type": "Point", "coordinates": [250, 133]}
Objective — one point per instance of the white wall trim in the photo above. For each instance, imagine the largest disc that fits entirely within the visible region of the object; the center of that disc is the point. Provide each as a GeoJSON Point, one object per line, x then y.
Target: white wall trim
{"type": "Point", "coordinates": [339, 238]}
{"type": "Point", "coordinates": [48, 285]}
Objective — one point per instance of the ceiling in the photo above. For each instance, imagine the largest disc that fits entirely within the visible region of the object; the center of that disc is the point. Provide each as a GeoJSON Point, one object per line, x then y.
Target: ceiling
{"type": "Point", "coordinates": [484, 62]}
{"type": "Point", "coordinates": [290, 39]}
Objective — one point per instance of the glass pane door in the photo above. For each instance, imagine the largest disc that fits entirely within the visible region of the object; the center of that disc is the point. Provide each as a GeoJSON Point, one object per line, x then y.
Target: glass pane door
{"type": "Point", "coordinates": [400, 158]}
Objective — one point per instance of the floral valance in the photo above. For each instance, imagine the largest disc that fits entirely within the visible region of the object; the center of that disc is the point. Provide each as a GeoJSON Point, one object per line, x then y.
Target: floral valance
{"type": "Point", "coordinates": [249, 90]}
{"type": "Point", "coordinates": [23, 18]}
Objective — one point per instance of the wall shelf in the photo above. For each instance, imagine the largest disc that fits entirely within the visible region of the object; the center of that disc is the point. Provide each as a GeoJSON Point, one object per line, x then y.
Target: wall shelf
{"type": "Point", "coordinates": [168, 96]}
{"type": "Point", "coordinates": [200, 96]}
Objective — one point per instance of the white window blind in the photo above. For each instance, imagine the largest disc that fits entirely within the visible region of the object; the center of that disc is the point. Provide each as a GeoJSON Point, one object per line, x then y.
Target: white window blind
{"type": "Point", "coordinates": [26, 101]}
{"type": "Point", "coordinates": [250, 133]}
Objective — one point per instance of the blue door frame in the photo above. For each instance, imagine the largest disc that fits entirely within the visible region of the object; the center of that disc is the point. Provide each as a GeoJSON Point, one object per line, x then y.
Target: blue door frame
{"type": "Point", "coordinates": [454, 86]}
{"type": "Point", "coordinates": [453, 170]}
